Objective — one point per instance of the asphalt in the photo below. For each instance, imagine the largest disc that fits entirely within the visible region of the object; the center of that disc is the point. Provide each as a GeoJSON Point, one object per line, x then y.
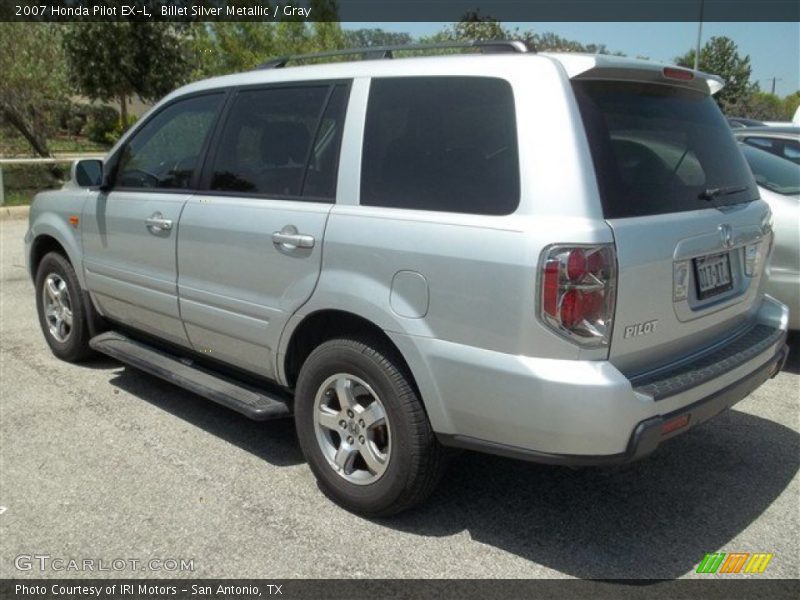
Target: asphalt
{"type": "Point", "coordinates": [98, 461]}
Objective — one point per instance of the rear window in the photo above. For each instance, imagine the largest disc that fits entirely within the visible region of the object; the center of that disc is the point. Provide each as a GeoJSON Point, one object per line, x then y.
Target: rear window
{"type": "Point", "coordinates": [660, 149]}
{"type": "Point", "coordinates": [441, 143]}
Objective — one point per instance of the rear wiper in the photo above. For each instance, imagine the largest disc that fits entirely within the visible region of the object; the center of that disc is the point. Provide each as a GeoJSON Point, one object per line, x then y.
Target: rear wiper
{"type": "Point", "coordinates": [712, 193]}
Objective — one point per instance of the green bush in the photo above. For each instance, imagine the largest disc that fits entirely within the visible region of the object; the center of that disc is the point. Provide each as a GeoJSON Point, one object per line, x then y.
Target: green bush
{"type": "Point", "coordinates": [22, 182]}
{"type": "Point", "coordinates": [73, 119]}
{"type": "Point", "coordinates": [101, 123]}
{"type": "Point", "coordinates": [116, 133]}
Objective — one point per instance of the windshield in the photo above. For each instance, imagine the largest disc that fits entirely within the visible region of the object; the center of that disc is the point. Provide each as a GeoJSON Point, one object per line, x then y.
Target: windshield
{"type": "Point", "coordinates": [773, 172]}
{"type": "Point", "coordinates": [660, 149]}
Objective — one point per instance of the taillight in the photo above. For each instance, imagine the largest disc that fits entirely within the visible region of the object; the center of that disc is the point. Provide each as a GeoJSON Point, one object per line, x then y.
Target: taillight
{"type": "Point", "coordinates": [675, 73]}
{"type": "Point", "coordinates": [578, 289]}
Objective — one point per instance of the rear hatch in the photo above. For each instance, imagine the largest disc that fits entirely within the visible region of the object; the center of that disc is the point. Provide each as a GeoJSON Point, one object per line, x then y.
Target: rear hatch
{"type": "Point", "coordinates": [690, 234]}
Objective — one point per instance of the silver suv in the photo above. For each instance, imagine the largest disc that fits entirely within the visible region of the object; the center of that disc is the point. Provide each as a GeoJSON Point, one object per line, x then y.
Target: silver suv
{"type": "Point", "coordinates": [555, 257]}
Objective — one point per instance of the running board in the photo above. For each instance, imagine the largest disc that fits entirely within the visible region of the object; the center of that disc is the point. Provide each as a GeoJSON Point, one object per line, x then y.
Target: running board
{"type": "Point", "coordinates": [257, 404]}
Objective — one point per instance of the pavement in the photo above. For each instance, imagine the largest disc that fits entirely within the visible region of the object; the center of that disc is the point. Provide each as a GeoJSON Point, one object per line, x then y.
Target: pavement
{"type": "Point", "coordinates": [101, 462]}
{"type": "Point", "coordinates": [14, 213]}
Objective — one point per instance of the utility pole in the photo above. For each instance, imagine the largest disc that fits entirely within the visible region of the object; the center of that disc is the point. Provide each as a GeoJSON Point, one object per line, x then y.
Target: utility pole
{"type": "Point", "coordinates": [699, 37]}
{"type": "Point", "coordinates": [772, 81]}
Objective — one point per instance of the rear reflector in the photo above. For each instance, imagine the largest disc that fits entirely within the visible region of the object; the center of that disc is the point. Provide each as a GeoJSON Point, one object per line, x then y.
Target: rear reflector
{"type": "Point", "coordinates": [673, 73]}
{"type": "Point", "coordinates": [675, 424]}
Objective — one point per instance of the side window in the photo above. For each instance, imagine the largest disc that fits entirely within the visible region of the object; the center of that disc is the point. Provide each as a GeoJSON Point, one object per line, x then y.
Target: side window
{"type": "Point", "coordinates": [278, 142]}
{"type": "Point", "coordinates": [165, 152]}
{"type": "Point", "coordinates": [441, 143]}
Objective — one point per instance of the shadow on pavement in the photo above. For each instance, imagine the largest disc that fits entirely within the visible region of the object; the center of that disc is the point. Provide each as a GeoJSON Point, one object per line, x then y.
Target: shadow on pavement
{"type": "Point", "coordinates": [272, 441]}
{"type": "Point", "coordinates": [652, 519]}
{"type": "Point", "coordinates": [793, 360]}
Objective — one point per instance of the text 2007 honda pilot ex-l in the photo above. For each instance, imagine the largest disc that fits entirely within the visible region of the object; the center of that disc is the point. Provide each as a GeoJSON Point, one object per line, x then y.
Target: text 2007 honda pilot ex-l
{"type": "Point", "coordinates": [556, 257]}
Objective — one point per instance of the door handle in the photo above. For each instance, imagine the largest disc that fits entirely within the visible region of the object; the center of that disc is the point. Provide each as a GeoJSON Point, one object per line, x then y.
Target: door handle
{"type": "Point", "coordinates": [156, 222]}
{"type": "Point", "coordinates": [289, 239]}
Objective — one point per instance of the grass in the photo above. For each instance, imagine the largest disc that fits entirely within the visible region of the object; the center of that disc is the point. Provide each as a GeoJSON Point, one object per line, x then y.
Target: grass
{"type": "Point", "coordinates": [64, 144]}
{"type": "Point", "coordinates": [14, 145]}
{"type": "Point", "coordinates": [19, 198]}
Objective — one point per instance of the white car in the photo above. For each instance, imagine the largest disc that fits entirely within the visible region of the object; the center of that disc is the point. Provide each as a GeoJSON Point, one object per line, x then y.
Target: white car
{"type": "Point", "coordinates": [779, 183]}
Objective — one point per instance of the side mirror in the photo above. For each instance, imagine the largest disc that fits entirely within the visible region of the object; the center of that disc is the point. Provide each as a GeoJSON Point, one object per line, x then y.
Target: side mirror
{"type": "Point", "coordinates": [87, 173]}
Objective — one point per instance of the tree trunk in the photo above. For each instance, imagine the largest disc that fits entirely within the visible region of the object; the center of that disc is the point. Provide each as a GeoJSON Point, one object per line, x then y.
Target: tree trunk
{"type": "Point", "coordinates": [37, 142]}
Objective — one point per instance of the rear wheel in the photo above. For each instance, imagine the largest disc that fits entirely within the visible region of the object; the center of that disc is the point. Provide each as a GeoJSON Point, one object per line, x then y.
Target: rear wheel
{"type": "Point", "coordinates": [60, 304]}
{"type": "Point", "coordinates": [363, 429]}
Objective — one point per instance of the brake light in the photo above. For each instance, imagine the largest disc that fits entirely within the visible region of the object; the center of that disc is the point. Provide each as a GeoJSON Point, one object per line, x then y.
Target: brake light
{"type": "Point", "coordinates": [578, 289]}
{"type": "Point", "coordinates": [675, 73]}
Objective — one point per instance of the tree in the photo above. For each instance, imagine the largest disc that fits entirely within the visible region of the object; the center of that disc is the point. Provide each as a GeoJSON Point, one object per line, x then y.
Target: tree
{"type": "Point", "coordinates": [231, 47]}
{"type": "Point", "coordinates": [720, 56]}
{"type": "Point", "coordinates": [763, 106]}
{"type": "Point", "coordinates": [473, 26]}
{"type": "Point", "coordinates": [790, 104]}
{"type": "Point", "coordinates": [115, 60]}
{"type": "Point", "coordinates": [365, 38]}
{"type": "Point", "coordinates": [33, 88]}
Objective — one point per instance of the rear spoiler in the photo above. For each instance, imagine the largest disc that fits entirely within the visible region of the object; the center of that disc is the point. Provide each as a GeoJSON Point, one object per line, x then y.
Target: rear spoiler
{"type": "Point", "coordinates": [616, 68]}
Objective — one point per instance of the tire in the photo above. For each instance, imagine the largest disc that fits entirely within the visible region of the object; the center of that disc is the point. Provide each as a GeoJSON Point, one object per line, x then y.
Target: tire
{"type": "Point", "coordinates": [414, 460]}
{"type": "Point", "coordinates": [70, 342]}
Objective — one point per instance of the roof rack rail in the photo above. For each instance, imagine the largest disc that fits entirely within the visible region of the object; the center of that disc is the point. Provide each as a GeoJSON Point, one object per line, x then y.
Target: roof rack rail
{"type": "Point", "coordinates": [378, 52]}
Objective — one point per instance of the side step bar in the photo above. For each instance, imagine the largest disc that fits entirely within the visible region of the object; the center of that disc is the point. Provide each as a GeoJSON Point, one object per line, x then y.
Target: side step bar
{"type": "Point", "coordinates": [257, 404]}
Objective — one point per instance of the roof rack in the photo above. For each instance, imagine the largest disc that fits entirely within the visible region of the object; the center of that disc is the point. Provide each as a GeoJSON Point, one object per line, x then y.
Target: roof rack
{"type": "Point", "coordinates": [378, 52]}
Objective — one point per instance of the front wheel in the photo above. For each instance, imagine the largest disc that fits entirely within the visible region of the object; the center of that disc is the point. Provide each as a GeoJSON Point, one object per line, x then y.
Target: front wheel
{"type": "Point", "coordinates": [60, 304]}
{"type": "Point", "coordinates": [363, 429]}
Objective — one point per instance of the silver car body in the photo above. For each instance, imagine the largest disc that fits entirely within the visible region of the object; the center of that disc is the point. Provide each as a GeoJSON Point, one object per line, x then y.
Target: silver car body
{"type": "Point", "coordinates": [783, 281]}
{"type": "Point", "coordinates": [456, 293]}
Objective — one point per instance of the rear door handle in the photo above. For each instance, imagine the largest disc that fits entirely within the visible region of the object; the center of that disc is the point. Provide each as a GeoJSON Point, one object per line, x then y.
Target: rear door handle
{"type": "Point", "coordinates": [289, 238]}
{"type": "Point", "coordinates": [156, 222]}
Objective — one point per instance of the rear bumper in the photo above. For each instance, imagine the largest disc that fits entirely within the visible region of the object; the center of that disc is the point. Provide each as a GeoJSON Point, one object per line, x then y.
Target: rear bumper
{"type": "Point", "coordinates": [648, 434]}
{"type": "Point", "coordinates": [584, 412]}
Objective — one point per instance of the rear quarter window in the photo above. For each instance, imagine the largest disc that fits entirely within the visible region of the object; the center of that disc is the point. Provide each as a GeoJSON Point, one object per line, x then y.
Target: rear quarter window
{"type": "Point", "coordinates": [660, 149]}
{"type": "Point", "coordinates": [441, 143]}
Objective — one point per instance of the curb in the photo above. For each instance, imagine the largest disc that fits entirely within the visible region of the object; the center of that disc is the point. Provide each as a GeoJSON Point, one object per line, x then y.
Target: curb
{"type": "Point", "coordinates": [14, 213]}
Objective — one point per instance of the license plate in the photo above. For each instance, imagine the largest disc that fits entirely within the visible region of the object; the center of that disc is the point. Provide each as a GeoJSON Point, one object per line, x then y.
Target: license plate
{"type": "Point", "coordinates": [713, 275]}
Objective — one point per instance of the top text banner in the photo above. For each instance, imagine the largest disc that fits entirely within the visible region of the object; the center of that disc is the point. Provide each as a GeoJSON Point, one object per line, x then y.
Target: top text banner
{"type": "Point", "coordinates": [369, 11]}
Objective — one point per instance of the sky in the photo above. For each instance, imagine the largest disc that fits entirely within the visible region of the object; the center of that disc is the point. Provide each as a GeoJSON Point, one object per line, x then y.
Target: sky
{"type": "Point", "coordinates": [774, 48]}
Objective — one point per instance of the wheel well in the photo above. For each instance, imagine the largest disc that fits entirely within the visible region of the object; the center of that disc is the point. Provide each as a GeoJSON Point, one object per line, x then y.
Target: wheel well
{"type": "Point", "coordinates": [324, 325]}
{"type": "Point", "coordinates": [41, 246]}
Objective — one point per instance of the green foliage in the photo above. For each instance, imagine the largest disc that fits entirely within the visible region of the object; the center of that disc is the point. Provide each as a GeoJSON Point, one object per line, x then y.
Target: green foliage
{"type": "Point", "coordinates": [764, 107]}
{"type": "Point", "coordinates": [720, 56]}
{"type": "Point", "coordinates": [33, 88]}
{"type": "Point", "coordinates": [22, 182]}
{"type": "Point", "coordinates": [790, 104]}
{"type": "Point", "coordinates": [73, 119]}
{"type": "Point", "coordinates": [101, 123]}
{"type": "Point", "coordinates": [120, 127]}
{"type": "Point", "coordinates": [232, 47]}
{"type": "Point", "coordinates": [367, 38]}
{"type": "Point", "coordinates": [474, 27]}
{"type": "Point", "coordinates": [115, 60]}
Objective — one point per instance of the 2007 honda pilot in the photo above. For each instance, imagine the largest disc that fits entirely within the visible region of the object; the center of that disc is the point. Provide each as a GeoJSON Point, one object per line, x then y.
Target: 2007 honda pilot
{"type": "Point", "coordinates": [557, 257]}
